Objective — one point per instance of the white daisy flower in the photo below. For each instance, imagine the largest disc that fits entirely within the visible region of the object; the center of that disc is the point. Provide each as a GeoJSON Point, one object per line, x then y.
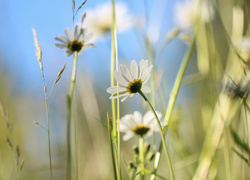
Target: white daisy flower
{"type": "Point", "coordinates": [133, 81]}
{"type": "Point", "coordinates": [135, 124]}
{"type": "Point", "coordinates": [187, 12]}
{"type": "Point", "coordinates": [76, 41]}
{"type": "Point", "coordinates": [99, 20]}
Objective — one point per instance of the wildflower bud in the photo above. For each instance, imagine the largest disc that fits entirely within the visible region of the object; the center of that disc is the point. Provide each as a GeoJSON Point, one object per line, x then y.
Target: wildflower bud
{"type": "Point", "coordinates": [83, 17]}
{"type": "Point", "coordinates": [131, 165]}
{"type": "Point", "coordinates": [136, 158]}
{"type": "Point", "coordinates": [150, 156]}
{"type": "Point", "coordinates": [146, 148]}
{"type": "Point", "coordinates": [110, 125]}
{"type": "Point", "coordinates": [18, 151]}
{"type": "Point", "coordinates": [9, 142]}
{"type": "Point", "coordinates": [136, 149]}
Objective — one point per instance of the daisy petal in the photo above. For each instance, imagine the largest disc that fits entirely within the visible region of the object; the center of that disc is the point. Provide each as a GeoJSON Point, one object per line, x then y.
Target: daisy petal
{"type": "Point", "coordinates": [88, 37]}
{"type": "Point", "coordinates": [134, 69]}
{"type": "Point", "coordinates": [62, 39]}
{"type": "Point", "coordinates": [123, 99]}
{"type": "Point", "coordinates": [62, 46]}
{"type": "Point", "coordinates": [146, 72]}
{"type": "Point", "coordinates": [146, 78]}
{"type": "Point", "coordinates": [88, 46]}
{"type": "Point", "coordinates": [123, 127]}
{"type": "Point", "coordinates": [125, 73]}
{"type": "Point", "coordinates": [137, 117]}
{"type": "Point", "coordinates": [113, 89]}
{"type": "Point", "coordinates": [127, 136]}
{"type": "Point", "coordinates": [119, 78]}
{"type": "Point", "coordinates": [76, 33]}
{"type": "Point", "coordinates": [69, 34]}
{"type": "Point", "coordinates": [148, 117]}
{"type": "Point", "coordinates": [120, 95]}
{"type": "Point", "coordinates": [141, 65]}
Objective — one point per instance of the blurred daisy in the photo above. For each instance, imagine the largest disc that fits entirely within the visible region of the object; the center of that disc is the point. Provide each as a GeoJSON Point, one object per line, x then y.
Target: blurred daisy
{"type": "Point", "coordinates": [99, 20]}
{"type": "Point", "coordinates": [74, 42]}
{"type": "Point", "coordinates": [187, 12]}
{"type": "Point", "coordinates": [135, 124]}
{"type": "Point", "coordinates": [133, 81]}
{"type": "Point", "coordinates": [243, 44]}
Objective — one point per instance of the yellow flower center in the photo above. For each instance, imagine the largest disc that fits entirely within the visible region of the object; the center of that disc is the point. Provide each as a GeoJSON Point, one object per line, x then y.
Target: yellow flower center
{"type": "Point", "coordinates": [134, 86]}
{"type": "Point", "coordinates": [141, 129]}
{"type": "Point", "coordinates": [75, 46]}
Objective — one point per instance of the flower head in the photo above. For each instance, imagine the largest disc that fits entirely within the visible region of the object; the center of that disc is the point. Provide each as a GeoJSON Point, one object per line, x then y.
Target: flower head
{"type": "Point", "coordinates": [135, 124]}
{"type": "Point", "coordinates": [133, 81]}
{"type": "Point", "coordinates": [188, 11]}
{"type": "Point", "coordinates": [99, 20]}
{"type": "Point", "coordinates": [74, 42]}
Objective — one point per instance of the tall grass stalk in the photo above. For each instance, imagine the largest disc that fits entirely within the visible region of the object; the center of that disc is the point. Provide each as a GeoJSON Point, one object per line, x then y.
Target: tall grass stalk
{"type": "Point", "coordinates": [111, 144]}
{"type": "Point", "coordinates": [226, 107]}
{"type": "Point", "coordinates": [69, 109]}
{"type": "Point", "coordinates": [177, 83]}
{"type": "Point", "coordinates": [39, 58]}
{"type": "Point", "coordinates": [162, 135]}
{"type": "Point", "coordinates": [76, 135]}
{"type": "Point", "coordinates": [116, 119]}
{"type": "Point", "coordinates": [47, 115]}
{"type": "Point", "coordinates": [222, 112]}
{"type": "Point", "coordinates": [226, 156]}
{"type": "Point", "coordinates": [175, 91]}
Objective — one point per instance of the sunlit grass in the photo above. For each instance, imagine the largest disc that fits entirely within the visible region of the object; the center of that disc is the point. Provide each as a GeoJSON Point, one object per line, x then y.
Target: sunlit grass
{"type": "Point", "coordinates": [196, 75]}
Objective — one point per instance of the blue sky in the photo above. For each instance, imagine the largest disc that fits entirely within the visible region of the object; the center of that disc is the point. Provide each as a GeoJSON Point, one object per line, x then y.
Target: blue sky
{"type": "Point", "coordinates": [50, 18]}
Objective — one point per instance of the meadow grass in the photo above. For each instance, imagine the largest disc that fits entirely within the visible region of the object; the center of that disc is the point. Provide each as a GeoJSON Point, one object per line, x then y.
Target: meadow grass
{"type": "Point", "coordinates": [194, 127]}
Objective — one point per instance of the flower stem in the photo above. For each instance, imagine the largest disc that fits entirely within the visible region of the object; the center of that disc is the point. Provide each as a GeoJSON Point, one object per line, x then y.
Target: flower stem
{"type": "Point", "coordinates": [162, 134]}
{"type": "Point", "coordinates": [109, 122]}
{"type": "Point", "coordinates": [141, 149]}
{"type": "Point", "coordinates": [47, 114]}
{"type": "Point", "coordinates": [177, 83]}
{"type": "Point", "coordinates": [69, 103]}
{"type": "Point", "coordinates": [76, 135]}
{"type": "Point", "coordinates": [115, 110]}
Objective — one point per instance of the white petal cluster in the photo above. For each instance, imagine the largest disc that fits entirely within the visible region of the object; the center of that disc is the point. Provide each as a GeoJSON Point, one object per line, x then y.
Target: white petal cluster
{"type": "Point", "coordinates": [188, 11]}
{"type": "Point", "coordinates": [130, 122]}
{"type": "Point", "coordinates": [126, 77]}
{"type": "Point", "coordinates": [76, 41]}
{"type": "Point", "coordinates": [99, 20]}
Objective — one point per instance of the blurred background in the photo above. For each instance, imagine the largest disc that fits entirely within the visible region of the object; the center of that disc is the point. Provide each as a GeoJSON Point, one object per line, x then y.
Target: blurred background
{"type": "Point", "coordinates": [223, 39]}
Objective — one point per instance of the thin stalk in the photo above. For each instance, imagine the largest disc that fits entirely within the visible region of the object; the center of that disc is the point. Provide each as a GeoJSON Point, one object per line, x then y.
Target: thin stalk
{"type": "Point", "coordinates": [176, 88]}
{"type": "Point", "coordinates": [112, 70]}
{"type": "Point", "coordinates": [76, 137]}
{"type": "Point", "coordinates": [162, 134]}
{"type": "Point", "coordinates": [39, 58]}
{"type": "Point", "coordinates": [141, 149]}
{"type": "Point", "coordinates": [111, 144]}
{"type": "Point", "coordinates": [47, 114]}
{"type": "Point", "coordinates": [226, 157]}
{"type": "Point", "coordinates": [69, 103]}
{"type": "Point", "coordinates": [177, 84]}
{"type": "Point", "coordinates": [114, 60]}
